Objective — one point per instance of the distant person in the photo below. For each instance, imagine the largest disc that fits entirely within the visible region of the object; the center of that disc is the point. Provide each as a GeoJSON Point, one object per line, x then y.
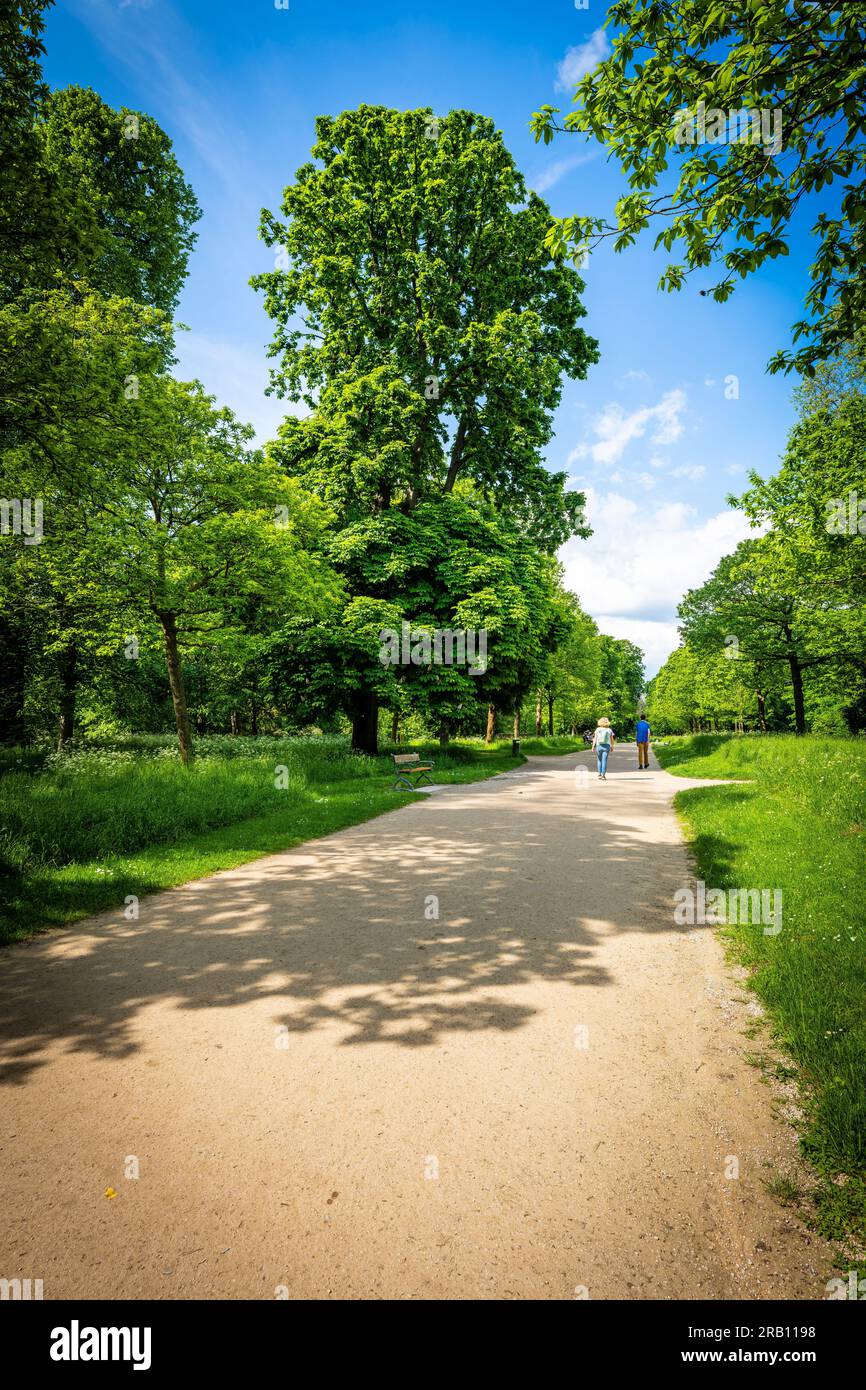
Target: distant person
{"type": "Point", "coordinates": [642, 738]}
{"type": "Point", "coordinates": [603, 741]}
{"type": "Point", "coordinates": [587, 737]}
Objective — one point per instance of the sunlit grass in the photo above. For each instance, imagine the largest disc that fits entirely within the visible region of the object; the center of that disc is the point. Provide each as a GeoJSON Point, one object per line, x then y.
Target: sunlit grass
{"type": "Point", "coordinates": [798, 825]}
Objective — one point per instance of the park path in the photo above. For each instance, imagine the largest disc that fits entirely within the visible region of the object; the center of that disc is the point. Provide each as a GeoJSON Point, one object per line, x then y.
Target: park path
{"type": "Point", "coordinates": [330, 1095]}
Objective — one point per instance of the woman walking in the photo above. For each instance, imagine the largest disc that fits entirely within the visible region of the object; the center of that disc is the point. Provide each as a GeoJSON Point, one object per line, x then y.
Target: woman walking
{"type": "Point", "coordinates": [603, 741]}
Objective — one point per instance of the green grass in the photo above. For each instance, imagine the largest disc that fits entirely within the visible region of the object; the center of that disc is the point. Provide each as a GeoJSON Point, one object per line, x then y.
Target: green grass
{"type": "Point", "coordinates": [82, 832]}
{"type": "Point", "coordinates": [798, 825]}
{"type": "Point", "coordinates": [545, 744]}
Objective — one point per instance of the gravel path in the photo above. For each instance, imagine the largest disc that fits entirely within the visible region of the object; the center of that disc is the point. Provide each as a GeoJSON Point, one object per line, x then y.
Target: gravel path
{"type": "Point", "coordinates": [327, 1091]}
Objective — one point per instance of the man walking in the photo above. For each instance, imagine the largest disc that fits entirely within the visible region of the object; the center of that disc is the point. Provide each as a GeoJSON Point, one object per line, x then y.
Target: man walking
{"type": "Point", "coordinates": [642, 739]}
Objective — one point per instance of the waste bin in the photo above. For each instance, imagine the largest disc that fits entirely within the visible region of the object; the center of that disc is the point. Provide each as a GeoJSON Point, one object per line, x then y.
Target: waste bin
{"type": "Point", "coordinates": [515, 747]}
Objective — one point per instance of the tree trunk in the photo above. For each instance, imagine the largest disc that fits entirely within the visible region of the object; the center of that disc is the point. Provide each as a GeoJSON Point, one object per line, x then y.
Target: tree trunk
{"type": "Point", "coordinates": [762, 710]}
{"type": "Point", "coordinates": [254, 717]}
{"type": "Point", "coordinates": [538, 714]}
{"type": "Point", "coordinates": [68, 692]}
{"type": "Point", "coordinates": [517, 721]}
{"type": "Point", "coordinates": [365, 725]}
{"type": "Point", "coordinates": [443, 734]}
{"type": "Point", "coordinates": [797, 685]}
{"type": "Point", "coordinates": [491, 724]}
{"type": "Point", "coordinates": [550, 716]}
{"type": "Point", "coordinates": [13, 644]}
{"type": "Point", "coordinates": [178, 693]}
{"type": "Point", "coordinates": [234, 723]}
{"type": "Point", "coordinates": [395, 727]}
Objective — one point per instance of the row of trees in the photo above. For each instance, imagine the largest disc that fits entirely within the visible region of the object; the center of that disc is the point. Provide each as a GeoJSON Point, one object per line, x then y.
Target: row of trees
{"type": "Point", "coordinates": [149, 551]}
{"type": "Point", "coordinates": [728, 123]}
{"type": "Point", "coordinates": [776, 638]}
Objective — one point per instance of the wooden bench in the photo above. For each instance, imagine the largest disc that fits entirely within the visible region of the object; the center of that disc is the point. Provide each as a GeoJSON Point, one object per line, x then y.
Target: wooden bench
{"type": "Point", "coordinates": [411, 772]}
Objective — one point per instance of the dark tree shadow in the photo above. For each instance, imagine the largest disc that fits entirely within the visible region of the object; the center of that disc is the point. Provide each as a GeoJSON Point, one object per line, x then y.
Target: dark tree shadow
{"type": "Point", "coordinates": [527, 887]}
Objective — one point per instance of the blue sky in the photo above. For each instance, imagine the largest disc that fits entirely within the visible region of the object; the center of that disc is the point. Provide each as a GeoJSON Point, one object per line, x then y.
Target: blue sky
{"type": "Point", "coordinates": [650, 435]}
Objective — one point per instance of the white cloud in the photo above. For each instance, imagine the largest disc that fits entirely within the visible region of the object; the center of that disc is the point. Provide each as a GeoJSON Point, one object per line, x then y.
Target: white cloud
{"type": "Point", "coordinates": [656, 639]}
{"type": "Point", "coordinates": [692, 471]}
{"type": "Point", "coordinates": [580, 60]}
{"type": "Point", "coordinates": [641, 560]}
{"type": "Point", "coordinates": [614, 428]}
{"type": "Point", "coordinates": [632, 375]}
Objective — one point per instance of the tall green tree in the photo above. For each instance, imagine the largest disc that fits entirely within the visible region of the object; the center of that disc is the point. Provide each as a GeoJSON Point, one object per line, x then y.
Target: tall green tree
{"type": "Point", "coordinates": [750, 605]}
{"type": "Point", "coordinates": [427, 328]}
{"type": "Point", "coordinates": [194, 527]}
{"type": "Point", "coordinates": [132, 209]}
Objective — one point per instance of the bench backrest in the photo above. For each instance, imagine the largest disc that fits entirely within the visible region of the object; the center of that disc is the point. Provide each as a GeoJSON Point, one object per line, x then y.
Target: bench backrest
{"type": "Point", "coordinates": [402, 758]}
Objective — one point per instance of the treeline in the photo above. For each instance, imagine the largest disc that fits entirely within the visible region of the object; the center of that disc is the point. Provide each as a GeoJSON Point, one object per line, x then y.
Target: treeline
{"type": "Point", "coordinates": [776, 638]}
{"type": "Point", "coordinates": [156, 567]}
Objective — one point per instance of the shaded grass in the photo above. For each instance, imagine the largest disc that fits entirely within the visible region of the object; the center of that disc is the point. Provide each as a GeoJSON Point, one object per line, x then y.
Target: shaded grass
{"type": "Point", "coordinates": [113, 820]}
{"type": "Point", "coordinates": [798, 826]}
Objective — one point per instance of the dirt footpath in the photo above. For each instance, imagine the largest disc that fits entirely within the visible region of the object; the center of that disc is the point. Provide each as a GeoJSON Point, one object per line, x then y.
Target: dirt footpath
{"type": "Point", "coordinates": [328, 1091]}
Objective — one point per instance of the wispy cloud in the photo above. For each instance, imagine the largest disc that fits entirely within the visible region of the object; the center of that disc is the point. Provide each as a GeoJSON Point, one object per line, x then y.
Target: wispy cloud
{"type": "Point", "coordinates": [580, 60]}
{"type": "Point", "coordinates": [615, 428]}
{"type": "Point", "coordinates": [558, 169]}
{"type": "Point", "coordinates": [163, 59]}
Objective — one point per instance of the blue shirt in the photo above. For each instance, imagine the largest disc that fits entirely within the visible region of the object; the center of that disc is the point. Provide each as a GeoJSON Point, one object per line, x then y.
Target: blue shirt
{"type": "Point", "coordinates": [643, 731]}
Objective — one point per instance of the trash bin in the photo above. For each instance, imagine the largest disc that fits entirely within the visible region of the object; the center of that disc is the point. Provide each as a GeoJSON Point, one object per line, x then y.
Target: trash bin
{"type": "Point", "coordinates": [515, 747]}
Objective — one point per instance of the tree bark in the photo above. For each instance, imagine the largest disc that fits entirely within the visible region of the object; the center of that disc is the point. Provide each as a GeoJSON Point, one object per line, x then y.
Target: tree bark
{"type": "Point", "coordinates": [443, 734]}
{"type": "Point", "coordinates": [762, 710]}
{"type": "Point", "coordinates": [517, 721]}
{"type": "Point", "coordinates": [365, 724]}
{"type": "Point", "coordinates": [491, 724]}
{"type": "Point", "coordinates": [797, 686]}
{"type": "Point", "coordinates": [395, 727]}
{"type": "Point", "coordinates": [538, 714]}
{"type": "Point", "coordinates": [456, 460]}
{"type": "Point", "coordinates": [550, 715]}
{"type": "Point", "coordinates": [13, 644]}
{"type": "Point", "coordinates": [233, 722]}
{"type": "Point", "coordinates": [178, 692]}
{"type": "Point", "coordinates": [68, 692]}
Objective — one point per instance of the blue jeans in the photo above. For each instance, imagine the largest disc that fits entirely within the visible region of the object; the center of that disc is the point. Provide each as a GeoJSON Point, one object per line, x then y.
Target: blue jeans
{"type": "Point", "coordinates": [601, 753]}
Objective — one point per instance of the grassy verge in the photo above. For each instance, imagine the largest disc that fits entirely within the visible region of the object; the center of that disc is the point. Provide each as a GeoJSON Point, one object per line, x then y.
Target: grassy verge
{"type": "Point", "coordinates": [797, 825]}
{"type": "Point", "coordinates": [81, 833]}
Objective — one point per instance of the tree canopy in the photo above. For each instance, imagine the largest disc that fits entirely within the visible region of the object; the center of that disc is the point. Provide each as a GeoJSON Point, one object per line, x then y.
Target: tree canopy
{"type": "Point", "coordinates": [726, 121]}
